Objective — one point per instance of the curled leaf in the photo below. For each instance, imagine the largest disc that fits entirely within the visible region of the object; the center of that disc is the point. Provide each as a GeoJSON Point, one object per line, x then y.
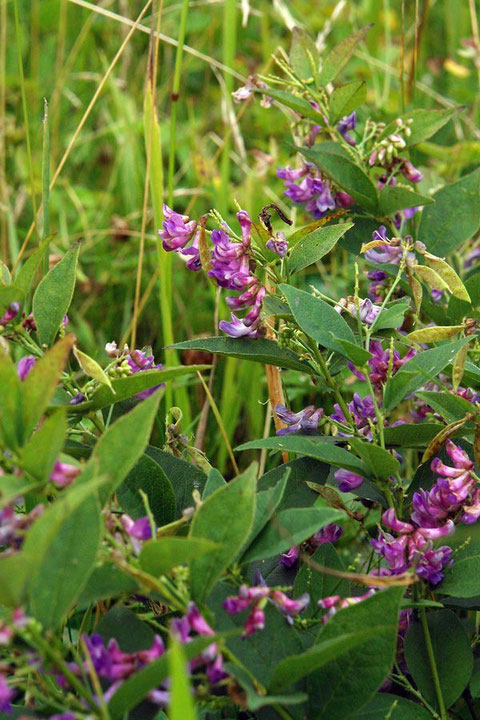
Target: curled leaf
{"type": "Point", "coordinates": [448, 274]}
{"type": "Point", "coordinates": [459, 367]}
{"type": "Point", "coordinates": [91, 368]}
{"type": "Point", "coordinates": [372, 244]}
{"type": "Point", "coordinates": [434, 334]}
{"type": "Point", "coordinates": [203, 248]}
{"type": "Point", "coordinates": [445, 433]}
{"type": "Point", "coordinates": [430, 277]}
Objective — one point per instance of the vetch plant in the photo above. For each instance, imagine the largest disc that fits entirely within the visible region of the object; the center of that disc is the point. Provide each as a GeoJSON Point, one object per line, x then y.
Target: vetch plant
{"type": "Point", "coordinates": [333, 574]}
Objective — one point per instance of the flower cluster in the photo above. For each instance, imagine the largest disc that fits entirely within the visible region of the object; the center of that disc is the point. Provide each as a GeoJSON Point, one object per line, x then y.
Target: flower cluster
{"type": "Point", "coordinates": [328, 534]}
{"type": "Point", "coordinates": [231, 266]}
{"type": "Point", "coordinates": [134, 361]}
{"type": "Point", "coordinates": [453, 498]}
{"type": "Point", "coordinates": [382, 363]}
{"type": "Point", "coordinates": [305, 422]}
{"type": "Point", "coordinates": [307, 186]}
{"type": "Point", "coordinates": [255, 599]}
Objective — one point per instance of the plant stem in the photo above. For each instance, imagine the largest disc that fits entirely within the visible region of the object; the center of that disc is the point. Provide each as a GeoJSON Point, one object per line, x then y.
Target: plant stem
{"type": "Point", "coordinates": [331, 382]}
{"type": "Point", "coordinates": [175, 93]}
{"type": "Point", "coordinates": [433, 664]}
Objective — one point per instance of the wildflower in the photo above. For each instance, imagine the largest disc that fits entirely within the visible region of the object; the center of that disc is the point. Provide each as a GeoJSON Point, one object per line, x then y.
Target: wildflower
{"type": "Point", "coordinates": [139, 360]}
{"type": "Point", "coordinates": [333, 603]}
{"type": "Point", "coordinates": [24, 366]}
{"type": "Point", "coordinates": [6, 695]}
{"type": "Point", "coordinates": [362, 411]}
{"type": "Point", "coordinates": [63, 474]}
{"type": "Point", "coordinates": [247, 90]}
{"type": "Point", "coordinates": [306, 421]}
{"type": "Point", "coordinates": [278, 244]}
{"type": "Point", "coordinates": [348, 480]}
{"type": "Point", "coordinates": [411, 172]}
{"type": "Point", "coordinates": [307, 186]}
{"type": "Point", "coordinates": [290, 558]}
{"type": "Point", "coordinates": [177, 231]}
{"type": "Point", "coordinates": [13, 527]}
{"type": "Point", "coordinates": [328, 534]}
{"type": "Point", "coordinates": [77, 399]}
{"type": "Point", "coordinates": [255, 598]}
{"type": "Point", "coordinates": [346, 124]}
{"type": "Point", "coordinates": [138, 529]}
{"type": "Point", "coordinates": [367, 311]}
{"type": "Point", "coordinates": [10, 313]}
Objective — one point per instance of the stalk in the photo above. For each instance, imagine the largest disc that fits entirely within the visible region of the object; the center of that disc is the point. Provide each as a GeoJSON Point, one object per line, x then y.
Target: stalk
{"type": "Point", "coordinates": [433, 664]}
{"type": "Point", "coordinates": [229, 47]}
{"type": "Point", "coordinates": [175, 95]}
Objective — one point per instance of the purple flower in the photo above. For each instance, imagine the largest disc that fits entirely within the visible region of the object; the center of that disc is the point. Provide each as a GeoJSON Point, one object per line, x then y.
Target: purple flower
{"type": "Point", "coordinates": [307, 186]}
{"type": "Point", "coordinates": [139, 529]}
{"type": "Point", "coordinates": [362, 411]}
{"type": "Point", "coordinates": [287, 606]}
{"type": "Point", "coordinates": [24, 366]}
{"type": "Point", "coordinates": [255, 621]}
{"type": "Point", "coordinates": [139, 360]}
{"type": "Point", "coordinates": [77, 399]}
{"type": "Point", "coordinates": [333, 603]}
{"type": "Point", "coordinates": [411, 172]}
{"type": "Point", "coordinates": [306, 421]}
{"type": "Point", "coordinates": [6, 695]}
{"type": "Point", "coordinates": [290, 558]}
{"type": "Point", "coordinates": [177, 230]}
{"type": "Point", "coordinates": [10, 313]}
{"type": "Point", "coordinates": [197, 622]}
{"type": "Point", "coordinates": [380, 362]}
{"type": "Point", "coordinates": [346, 124]}
{"type": "Point", "coordinates": [328, 534]}
{"type": "Point", "coordinates": [347, 480]}
{"type": "Point", "coordinates": [367, 310]}
{"type": "Point", "coordinates": [255, 598]}
{"type": "Point", "coordinates": [63, 474]}
{"type": "Point", "coordinates": [278, 244]}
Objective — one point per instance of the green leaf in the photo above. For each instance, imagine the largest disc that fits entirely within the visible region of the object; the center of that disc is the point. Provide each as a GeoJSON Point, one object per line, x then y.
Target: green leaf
{"type": "Point", "coordinates": [39, 455]}
{"type": "Point", "coordinates": [339, 55]}
{"type": "Point", "coordinates": [301, 106]}
{"type": "Point", "coordinates": [226, 518]}
{"type": "Point", "coordinates": [147, 476]}
{"type": "Point", "coordinates": [14, 575]}
{"type": "Point", "coordinates": [9, 294]}
{"type": "Point", "coordinates": [453, 656]}
{"type": "Point", "coordinates": [314, 246]}
{"type": "Point", "coordinates": [126, 387]}
{"type": "Point", "coordinates": [398, 197]}
{"type": "Point", "coordinates": [319, 448]}
{"type": "Point", "coordinates": [391, 317]}
{"type": "Point", "coordinates": [260, 350]}
{"type": "Point", "coordinates": [317, 584]}
{"type": "Point", "coordinates": [424, 366]}
{"type": "Point", "coordinates": [26, 275]}
{"type": "Point", "coordinates": [137, 687]}
{"type": "Point", "coordinates": [411, 436]}
{"type": "Point", "coordinates": [304, 57]}
{"type": "Point", "coordinates": [184, 477]}
{"type": "Point", "coordinates": [449, 406]}
{"type": "Point", "coordinates": [53, 296]}
{"type": "Point", "coordinates": [254, 701]}
{"type": "Point", "coordinates": [266, 504]}
{"type": "Point", "coordinates": [215, 481]}
{"type": "Point", "coordinates": [12, 487]}
{"type": "Point", "coordinates": [349, 681]}
{"type": "Point", "coordinates": [347, 98]}
{"type": "Point", "coordinates": [337, 164]}
{"type": "Point", "coordinates": [393, 707]}
{"type": "Point", "coordinates": [61, 547]}
{"type": "Point", "coordinates": [462, 579]}
{"type": "Point", "coordinates": [106, 581]}
{"type": "Point", "coordinates": [127, 629]}
{"type": "Point", "coordinates": [455, 216]}
{"type": "Point", "coordinates": [40, 383]}
{"type": "Point", "coordinates": [318, 319]}
{"type": "Point", "coordinates": [380, 462]}
{"type": "Point", "coordinates": [288, 528]}
{"type": "Point", "coordinates": [296, 667]}
{"type": "Point", "coordinates": [120, 447]}
{"type": "Point", "coordinates": [158, 557]}
{"type": "Point", "coordinates": [182, 706]}
{"type": "Point", "coordinates": [11, 404]}
{"type": "Point", "coordinates": [425, 124]}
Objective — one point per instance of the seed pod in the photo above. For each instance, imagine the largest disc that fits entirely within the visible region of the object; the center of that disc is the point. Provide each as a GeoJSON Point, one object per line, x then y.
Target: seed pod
{"type": "Point", "coordinates": [445, 434]}
{"type": "Point", "coordinates": [448, 274]}
{"type": "Point", "coordinates": [417, 291]}
{"type": "Point", "coordinates": [91, 368]}
{"type": "Point", "coordinates": [430, 277]}
{"type": "Point", "coordinates": [459, 367]}
{"type": "Point", "coordinates": [203, 248]}
{"type": "Point", "coordinates": [373, 244]}
{"type": "Point", "coordinates": [434, 334]}
{"type": "Point", "coordinates": [476, 444]}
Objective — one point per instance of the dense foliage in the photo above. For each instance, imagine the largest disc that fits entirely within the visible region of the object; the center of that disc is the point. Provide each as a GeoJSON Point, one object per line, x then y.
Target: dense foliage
{"type": "Point", "coordinates": [326, 571]}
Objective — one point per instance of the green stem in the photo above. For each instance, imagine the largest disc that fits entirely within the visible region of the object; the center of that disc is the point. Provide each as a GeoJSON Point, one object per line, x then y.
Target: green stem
{"type": "Point", "coordinates": [331, 382]}
{"type": "Point", "coordinates": [433, 664]}
{"type": "Point", "coordinates": [175, 93]}
{"type": "Point", "coordinates": [229, 47]}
